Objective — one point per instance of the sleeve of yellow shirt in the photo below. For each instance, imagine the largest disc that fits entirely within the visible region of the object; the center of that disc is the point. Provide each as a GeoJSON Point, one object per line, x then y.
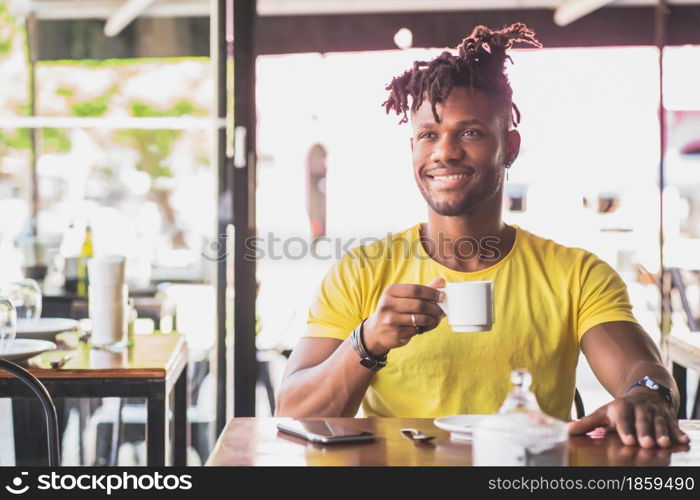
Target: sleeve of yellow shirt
{"type": "Point", "coordinates": [603, 296]}
{"type": "Point", "coordinates": [337, 307]}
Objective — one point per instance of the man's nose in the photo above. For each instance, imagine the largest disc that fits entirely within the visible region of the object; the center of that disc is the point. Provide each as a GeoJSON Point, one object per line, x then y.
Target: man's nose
{"type": "Point", "coordinates": [447, 149]}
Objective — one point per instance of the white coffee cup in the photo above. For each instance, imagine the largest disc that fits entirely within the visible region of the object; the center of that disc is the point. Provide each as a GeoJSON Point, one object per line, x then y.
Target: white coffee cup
{"type": "Point", "coordinates": [469, 305]}
{"type": "Point", "coordinates": [107, 270]}
{"type": "Point", "coordinates": [102, 295]}
{"type": "Point", "coordinates": [107, 307]}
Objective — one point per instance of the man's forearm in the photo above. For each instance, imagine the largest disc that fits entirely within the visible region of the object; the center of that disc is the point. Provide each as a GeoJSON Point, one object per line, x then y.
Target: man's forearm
{"type": "Point", "coordinates": [333, 388]}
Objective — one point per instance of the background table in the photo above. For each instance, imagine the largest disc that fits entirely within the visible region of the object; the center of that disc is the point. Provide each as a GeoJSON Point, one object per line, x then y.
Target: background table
{"type": "Point", "coordinates": [256, 441]}
{"type": "Point", "coordinates": [154, 368]}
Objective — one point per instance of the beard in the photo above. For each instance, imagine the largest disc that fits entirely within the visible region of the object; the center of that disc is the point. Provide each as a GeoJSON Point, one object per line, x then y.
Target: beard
{"type": "Point", "coordinates": [468, 202]}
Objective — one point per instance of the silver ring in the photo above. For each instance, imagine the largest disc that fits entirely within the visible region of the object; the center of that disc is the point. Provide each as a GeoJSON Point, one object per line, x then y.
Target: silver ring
{"type": "Point", "coordinates": [419, 329]}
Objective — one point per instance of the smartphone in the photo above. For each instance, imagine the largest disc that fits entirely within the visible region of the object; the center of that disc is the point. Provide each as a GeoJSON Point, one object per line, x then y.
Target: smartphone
{"type": "Point", "coordinates": [324, 432]}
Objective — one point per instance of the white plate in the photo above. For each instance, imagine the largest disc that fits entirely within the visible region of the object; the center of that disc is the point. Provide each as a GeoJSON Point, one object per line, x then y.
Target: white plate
{"type": "Point", "coordinates": [44, 328]}
{"type": "Point", "coordinates": [460, 426]}
{"type": "Point", "coordinates": [23, 349]}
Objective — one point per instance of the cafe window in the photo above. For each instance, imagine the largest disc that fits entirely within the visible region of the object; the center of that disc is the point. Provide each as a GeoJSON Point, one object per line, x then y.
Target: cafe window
{"type": "Point", "coordinates": [118, 135]}
{"type": "Point", "coordinates": [144, 186]}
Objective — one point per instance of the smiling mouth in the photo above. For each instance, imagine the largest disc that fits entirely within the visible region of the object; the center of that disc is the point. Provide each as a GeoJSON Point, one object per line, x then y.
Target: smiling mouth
{"type": "Point", "coordinates": [452, 178]}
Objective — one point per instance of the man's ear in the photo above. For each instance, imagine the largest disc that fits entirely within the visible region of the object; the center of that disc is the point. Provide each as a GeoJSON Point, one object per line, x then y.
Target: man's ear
{"type": "Point", "coordinates": [512, 146]}
{"type": "Point", "coordinates": [411, 141]}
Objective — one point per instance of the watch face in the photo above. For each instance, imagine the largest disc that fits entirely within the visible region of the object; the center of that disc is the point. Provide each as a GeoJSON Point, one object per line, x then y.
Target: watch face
{"type": "Point", "coordinates": [650, 383]}
{"type": "Point", "coordinates": [368, 363]}
{"type": "Point", "coordinates": [372, 364]}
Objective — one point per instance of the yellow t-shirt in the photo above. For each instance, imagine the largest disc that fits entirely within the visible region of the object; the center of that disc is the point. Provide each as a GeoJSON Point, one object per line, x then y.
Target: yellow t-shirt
{"type": "Point", "coordinates": [546, 296]}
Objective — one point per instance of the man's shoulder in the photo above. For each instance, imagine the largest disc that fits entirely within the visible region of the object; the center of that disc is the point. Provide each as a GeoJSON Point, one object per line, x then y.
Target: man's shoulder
{"type": "Point", "coordinates": [551, 250]}
{"type": "Point", "coordinates": [571, 263]}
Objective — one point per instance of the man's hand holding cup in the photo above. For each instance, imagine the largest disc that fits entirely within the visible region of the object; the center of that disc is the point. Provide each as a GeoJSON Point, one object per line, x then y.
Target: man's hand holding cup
{"type": "Point", "coordinates": [403, 310]}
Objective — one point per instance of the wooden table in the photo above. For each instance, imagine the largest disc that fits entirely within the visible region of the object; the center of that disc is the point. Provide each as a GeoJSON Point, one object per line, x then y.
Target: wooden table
{"type": "Point", "coordinates": [683, 352]}
{"type": "Point", "coordinates": [154, 368]}
{"type": "Point", "coordinates": [256, 441]}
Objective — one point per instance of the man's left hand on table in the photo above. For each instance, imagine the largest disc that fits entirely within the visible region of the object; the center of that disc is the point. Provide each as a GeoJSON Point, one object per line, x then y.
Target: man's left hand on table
{"type": "Point", "coordinates": [640, 417]}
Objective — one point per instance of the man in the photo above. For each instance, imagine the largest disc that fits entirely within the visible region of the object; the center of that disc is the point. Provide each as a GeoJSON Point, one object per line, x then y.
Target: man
{"type": "Point", "coordinates": [375, 333]}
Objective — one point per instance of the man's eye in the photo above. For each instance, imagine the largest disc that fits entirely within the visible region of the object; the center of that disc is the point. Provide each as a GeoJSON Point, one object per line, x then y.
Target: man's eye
{"type": "Point", "coordinates": [472, 132]}
{"type": "Point", "coordinates": [426, 135]}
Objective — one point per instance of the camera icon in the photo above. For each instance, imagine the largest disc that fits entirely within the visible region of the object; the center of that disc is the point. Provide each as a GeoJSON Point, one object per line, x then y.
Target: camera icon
{"type": "Point", "coordinates": [214, 251]}
{"type": "Point", "coordinates": [17, 483]}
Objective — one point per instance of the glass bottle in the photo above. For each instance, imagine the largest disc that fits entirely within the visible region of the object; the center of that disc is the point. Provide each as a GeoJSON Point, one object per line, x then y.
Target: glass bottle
{"type": "Point", "coordinates": [86, 253]}
{"type": "Point", "coordinates": [520, 433]}
{"type": "Point", "coordinates": [133, 316]}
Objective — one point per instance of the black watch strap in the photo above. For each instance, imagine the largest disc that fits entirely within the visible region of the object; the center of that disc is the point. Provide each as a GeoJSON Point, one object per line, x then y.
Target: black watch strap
{"type": "Point", "coordinates": [652, 384]}
{"type": "Point", "coordinates": [367, 359]}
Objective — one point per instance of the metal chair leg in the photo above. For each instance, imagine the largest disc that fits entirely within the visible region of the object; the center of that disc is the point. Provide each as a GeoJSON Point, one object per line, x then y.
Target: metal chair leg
{"type": "Point", "coordinates": [116, 435]}
{"type": "Point", "coordinates": [580, 411]}
{"type": "Point", "coordinates": [264, 377]}
{"type": "Point", "coordinates": [46, 402]}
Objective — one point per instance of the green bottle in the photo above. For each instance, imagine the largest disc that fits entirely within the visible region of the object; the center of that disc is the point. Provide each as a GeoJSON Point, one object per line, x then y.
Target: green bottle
{"type": "Point", "coordinates": [85, 254]}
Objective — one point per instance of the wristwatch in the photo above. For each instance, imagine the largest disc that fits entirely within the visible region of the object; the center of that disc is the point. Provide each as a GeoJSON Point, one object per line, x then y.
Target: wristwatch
{"type": "Point", "coordinates": [367, 359]}
{"type": "Point", "coordinates": [652, 384]}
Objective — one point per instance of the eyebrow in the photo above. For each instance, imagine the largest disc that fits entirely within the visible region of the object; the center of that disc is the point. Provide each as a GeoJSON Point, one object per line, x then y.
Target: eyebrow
{"type": "Point", "coordinates": [462, 123]}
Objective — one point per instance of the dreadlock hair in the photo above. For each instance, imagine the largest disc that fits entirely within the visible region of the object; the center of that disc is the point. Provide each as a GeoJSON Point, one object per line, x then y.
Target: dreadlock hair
{"type": "Point", "coordinates": [480, 64]}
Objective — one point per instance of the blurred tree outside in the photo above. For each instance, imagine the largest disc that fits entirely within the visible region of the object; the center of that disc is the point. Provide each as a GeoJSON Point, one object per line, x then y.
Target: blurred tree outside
{"type": "Point", "coordinates": [154, 147]}
{"type": "Point", "coordinates": [103, 89]}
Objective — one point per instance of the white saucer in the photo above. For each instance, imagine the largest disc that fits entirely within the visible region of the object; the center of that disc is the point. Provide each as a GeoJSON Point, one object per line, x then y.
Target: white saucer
{"type": "Point", "coordinates": [460, 426]}
{"type": "Point", "coordinates": [23, 349]}
{"type": "Point", "coordinates": [44, 328]}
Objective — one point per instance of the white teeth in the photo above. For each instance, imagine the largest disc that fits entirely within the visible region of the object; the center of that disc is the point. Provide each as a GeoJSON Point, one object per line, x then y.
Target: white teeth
{"type": "Point", "coordinates": [445, 178]}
